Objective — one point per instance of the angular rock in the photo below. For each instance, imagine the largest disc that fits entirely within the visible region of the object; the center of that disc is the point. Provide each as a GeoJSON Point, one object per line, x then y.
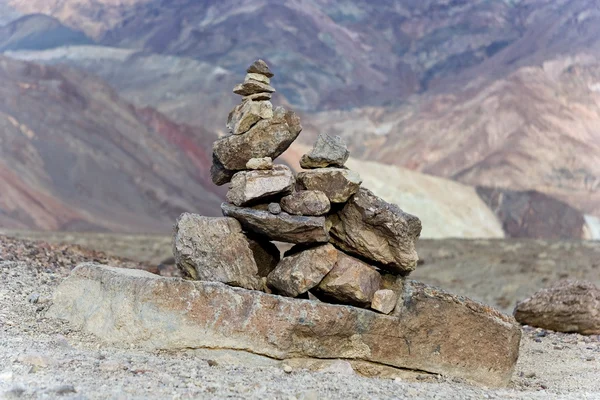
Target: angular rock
{"type": "Point", "coordinates": [249, 186]}
{"type": "Point", "coordinates": [266, 255]}
{"type": "Point", "coordinates": [351, 281]}
{"type": "Point", "coordinates": [257, 97]}
{"type": "Point", "coordinates": [257, 77]}
{"type": "Point", "coordinates": [260, 163]}
{"type": "Point", "coordinates": [377, 231]}
{"type": "Point", "coordinates": [298, 273]}
{"type": "Point", "coordinates": [214, 249]}
{"type": "Point", "coordinates": [282, 227]}
{"type": "Point", "coordinates": [328, 151]}
{"type": "Point", "coordinates": [274, 208]}
{"type": "Point", "coordinates": [219, 174]}
{"type": "Point", "coordinates": [429, 330]}
{"type": "Point", "coordinates": [570, 306]}
{"type": "Point", "coordinates": [306, 202]}
{"type": "Point", "coordinates": [252, 87]}
{"type": "Point", "coordinates": [260, 67]}
{"type": "Point", "coordinates": [384, 301]}
{"type": "Point", "coordinates": [338, 184]}
{"type": "Point", "coordinates": [245, 115]}
{"type": "Point", "coordinates": [268, 138]}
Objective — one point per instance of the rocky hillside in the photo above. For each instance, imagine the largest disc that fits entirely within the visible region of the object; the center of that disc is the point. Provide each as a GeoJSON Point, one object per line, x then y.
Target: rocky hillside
{"type": "Point", "coordinates": [75, 156]}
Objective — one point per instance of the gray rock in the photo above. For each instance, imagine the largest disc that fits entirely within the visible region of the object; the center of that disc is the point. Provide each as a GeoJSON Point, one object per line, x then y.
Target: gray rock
{"type": "Point", "coordinates": [306, 202]}
{"type": "Point", "coordinates": [429, 330]}
{"type": "Point", "coordinates": [245, 115]}
{"type": "Point", "coordinates": [257, 97]}
{"type": "Point", "coordinates": [260, 67]}
{"type": "Point", "coordinates": [351, 281]}
{"type": "Point", "coordinates": [569, 306]}
{"type": "Point", "coordinates": [214, 249]}
{"type": "Point", "coordinates": [274, 208]}
{"type": "Point", "coordinates": [338, 184]}
{"type": "Point", "coordinates": [257, 77]}
{"type": "Point", "coordinates": [282, 227]}
{"type": "Point", "coordinates": [250, 186]}
{"type": "Point", "coordinates": [219, 174]}
{"type": "Point", "coordinates": [252, 87]}
{"type": "Point", "coordinates": [377, 231]}
{"type": "Point", "coordinates": [300, 272]}
{"type": "Point", "coordinates": [384, 301]}
{"type": "Point", "coordinates": [328, 151]}
{"type": "Point", "coordinates": [268, 138]}
{"type": "Point", "coordinates": [260, 163]}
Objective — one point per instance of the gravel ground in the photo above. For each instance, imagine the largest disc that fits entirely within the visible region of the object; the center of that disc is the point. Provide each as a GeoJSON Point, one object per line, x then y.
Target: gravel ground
{"type": "Point", "coordinates": [45, 358]}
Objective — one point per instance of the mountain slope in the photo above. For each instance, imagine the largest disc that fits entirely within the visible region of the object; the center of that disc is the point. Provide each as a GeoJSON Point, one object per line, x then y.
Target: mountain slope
{"type": "Point", "coordinates": [74, 156]}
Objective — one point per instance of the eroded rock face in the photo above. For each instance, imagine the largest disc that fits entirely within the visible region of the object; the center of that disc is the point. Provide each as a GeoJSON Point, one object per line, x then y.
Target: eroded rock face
{"type": "Point", "coordinates": [250, 186]}
{"type": "Point", "coordinates": [429, 330]}
{"type": "Point", "coordinates": [214, 249]}
{"type": "Point", "coordinates": [300, 272]}
{"type": "Point", "coordinates": [338, 184]}
{"type": "Point", "coordinates": [570, 306]}
{"type": "Point", "coordinates": [351, 281]}
{"type": "Point", "coordinates": [282, 227]}
{"type": "Point", "coordinates": [306, 202]}
{"type": "Point", "coordinates": [378, 231]}
{"type": "Point", "coordinates": [328, 151]}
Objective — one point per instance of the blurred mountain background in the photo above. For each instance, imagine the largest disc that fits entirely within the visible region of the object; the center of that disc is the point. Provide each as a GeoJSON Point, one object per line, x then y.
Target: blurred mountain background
{"type": "Point", "coordinates": [482, 117]}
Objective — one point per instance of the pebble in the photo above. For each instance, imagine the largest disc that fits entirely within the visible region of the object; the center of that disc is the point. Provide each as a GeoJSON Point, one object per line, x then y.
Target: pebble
{"type": "Point", "coordinates": [287, 369]}
{"type": "Point", "coordinates": [33, 298]}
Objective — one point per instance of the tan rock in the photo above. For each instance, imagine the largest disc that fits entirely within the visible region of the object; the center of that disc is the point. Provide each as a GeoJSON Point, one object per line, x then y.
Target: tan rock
{"type": "Point", "coordinates": [250, 186]}
{"type": "Point", "coordinates": [245, 115]}
{"type": "Point", "coordinates": [257, 77]}
{"type": "Point", "coordinates": [260, 163]}
{"type": "Point", "coordinates": [306, 202]}
{"type": "Point", "coordinates": [252, 87]}
{"type": "Point", "coordinates": [351, 281]}
{"type": "Point", "coordinates": [429, 330]}
{"type": "Point", "coordinates": [257, 97]}
{"type": "Point", "coordinates": [338, 184]}
{"type": "Point", "coordinates": [375, 230]}
{"type": "Point", "coordinates": [570, 306]}
{"type": "Point", "coordinates": [260, 67]}
{"type": "Point", "coordinates": [214, 249]}
{"type": "Point", "coordinates": [384, 301]}
{"type": "Point", "coordinates": [328, 151]}
{"type": "Point", "coordinates": [300, 272]}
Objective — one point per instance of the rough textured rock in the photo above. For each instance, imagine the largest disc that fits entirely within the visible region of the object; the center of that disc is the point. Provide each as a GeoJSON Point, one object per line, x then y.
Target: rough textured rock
{"type": "Point", "coordinates": [306, 202]}
{"type": "Point", "coordinates": [245, 115]}
{"type": "Point", "coordinates": [282, 227]}
{"type": "Point", "coordinates": [266, 254]}
{"type": "Point", "coordinates": [218, 173]}
{"type": "Point", "coordinates": [298, 273]}
{"type": "Point", "coordinates": [268, 138]}
{"type": "Point", "coordinates": [381, 232]}
{"type": "Point", "coordinates": [351, 281]}
{"type": "Point", "coordinates": [249, 186]}
{"type": "Point", "coordinates": [257, 77]}
{"type": "Point", "coordinates": [260, 163]}
{"type": "Point", "coordinates": [337, 183]}
{"type": "Point", "coordinates": [274, 208]}
{"type": "Point", "coordinates": [429, 330]}
{"type": "Point", "coordinates": [214, 249]}
{"type": "Point", "coordinates": [328, 151]}
{"type": "Point", "coordinates": [257, 97]}
{"type": "Point", "coordinates": [384, 301]}
{"type": "Point", "coordinates": [252, 87]}
{"type": "Point", "coordinates": [570, 306]}
{"type": "Point", "coordinates": [260, 67]}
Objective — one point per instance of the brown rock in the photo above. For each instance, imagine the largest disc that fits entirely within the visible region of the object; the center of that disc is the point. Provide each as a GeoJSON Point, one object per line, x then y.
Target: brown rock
{"type": "Point", "coordinates": [282, 227]}
{"type": "Point", "coordinates": [429, 330]}
{"type": "Point", "coordinates": [268, 138]}
{"type": "Point", "coordinates": [328, 151]}
{"type": "Point", "coordinates": [306, 202]}
{"type": "Point", "coordinates": [260, 67]}
{"type": "Point", "coordinates": [214, 249]}
{"type": "Point", "coordinates": [266, 254]}
{"type": "Point", "coordinates": [260, 163]}
{"type": "Point", "coordinates": [570, 306]}
{"type": "Point", "coordinates": [219, 174]}
{"type": "Point", "coordinates": [252, 87]}
{"type": "Point", "coordinates": [245, 115]}
{"type": "Point", "coordinates": [378, 231]}
{"type": "Point", "coordinates": [351, 281]}
{"type": "Point", "coordinates": [384, 301]}
{"type": "Point", "coordinates": [298, 273]}
{"type": "Point", "coordinates": [249, 186]}
{"type": "Point", "coordinates": [338, 184]}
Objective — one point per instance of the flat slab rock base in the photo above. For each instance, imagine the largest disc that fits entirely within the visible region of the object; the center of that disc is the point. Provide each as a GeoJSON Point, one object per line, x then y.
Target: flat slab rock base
{"type": "Point", "coordinates": [429, 331]}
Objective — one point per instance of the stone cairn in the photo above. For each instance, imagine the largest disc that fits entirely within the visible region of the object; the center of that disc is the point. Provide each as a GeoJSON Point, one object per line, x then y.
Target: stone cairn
{"type": "Point", "coordinates": [349, 246]}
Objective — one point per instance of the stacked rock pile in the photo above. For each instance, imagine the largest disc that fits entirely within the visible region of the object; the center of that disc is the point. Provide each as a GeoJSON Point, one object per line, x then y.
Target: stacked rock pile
{"type": "Point", "coordinates": [349, 245]}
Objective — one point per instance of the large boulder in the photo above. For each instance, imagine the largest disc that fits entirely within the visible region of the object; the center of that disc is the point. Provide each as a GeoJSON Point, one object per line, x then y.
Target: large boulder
{"type": "Point", "coordinates": [378, 231]}
{"type": "Point", "coordinates": [298, 273]}
{"type": "Point", "coordinates": [351, 281]}
{"type": "Point", "coordinates": [338, 184]}
{"type": "Point", "coordinates": [214, 249]}
{"type": "Point", "coordinates": [306, 202]}
{"type": "Point", "coordinates": [250, 186]}
{"type": "Point", "coordinates": [328, 151]}
{"type": "Point", "coordinates": [282, 227]}
{"type": "Point", "coordinates": [428, 331]}
{"type": "Point", "coordinates": [570, 306]}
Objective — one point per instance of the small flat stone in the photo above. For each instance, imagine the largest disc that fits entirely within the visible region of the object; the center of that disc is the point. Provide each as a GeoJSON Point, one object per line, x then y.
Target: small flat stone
{"type": "Point", "coordinates": [328, 151]}
{"type": "Point", "coordinates": [260, 67]}
{"type": "Point", "coordinates": [260, 163]}
{"type": "Point", "coordinates": [250, 186]}
{"type": "Point", "coordinates": [252, 87]}
{"type": "Point", "coordinates": [257, 77]}
{"type": "Point", "coordinates": [384, 301]}
{"type": "Point", "coordinates": [338, 184]}
{"type": "Point", "coordinates": [306, 202]}
{"type": "Point", "coordinates": [258, 97]}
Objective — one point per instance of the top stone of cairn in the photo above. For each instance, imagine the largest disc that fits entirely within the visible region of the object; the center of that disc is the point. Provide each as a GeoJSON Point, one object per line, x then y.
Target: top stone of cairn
{"type": "Point", "coordinates": [260, 67]}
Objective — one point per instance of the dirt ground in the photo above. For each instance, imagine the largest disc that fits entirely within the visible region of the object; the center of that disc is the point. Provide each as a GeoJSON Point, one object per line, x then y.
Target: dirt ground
{"type": "Point", "coordinates": [45, 358]}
